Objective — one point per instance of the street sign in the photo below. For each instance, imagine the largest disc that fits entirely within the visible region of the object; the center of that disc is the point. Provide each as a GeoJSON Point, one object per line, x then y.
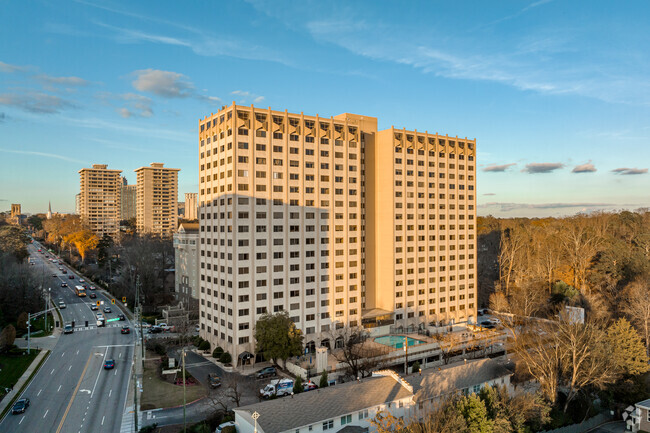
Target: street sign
{"type": "Point", "coordinates": [113, 301]}
{"type": "Point", "coordinates": [123, 299]}
{"type": "Point", "coordinates": [113, 320]}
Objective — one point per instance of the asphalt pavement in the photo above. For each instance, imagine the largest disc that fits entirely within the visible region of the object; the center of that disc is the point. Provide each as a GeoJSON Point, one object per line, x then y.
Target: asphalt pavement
{"type": "Point", "coordinates": [72, 392]}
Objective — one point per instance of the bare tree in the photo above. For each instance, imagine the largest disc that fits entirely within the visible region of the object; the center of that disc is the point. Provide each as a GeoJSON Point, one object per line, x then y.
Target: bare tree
{"type": "Point", "coordinates": [580, 241]}
{"type": "Point", "coordinates": [637, 307]}
{"type": "Point", "coordinates": [360, 355]}
{"type": "Point", "coordinates": [231, 392]}
{"type": "Point", "coordinates": [512, 243]}
{"type": "Point", "coordinates": [449, 345]}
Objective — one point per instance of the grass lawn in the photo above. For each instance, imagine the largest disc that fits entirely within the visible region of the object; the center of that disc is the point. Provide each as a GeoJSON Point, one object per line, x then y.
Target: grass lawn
{"type": "Point", "coordinates": [13, 367]}
{"type": "Point", "coordinates": [160, 394]}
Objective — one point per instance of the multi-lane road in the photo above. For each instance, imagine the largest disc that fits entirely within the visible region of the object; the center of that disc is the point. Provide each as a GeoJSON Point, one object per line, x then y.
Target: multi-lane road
{"type": "Point", "coordinates": [72, 392]}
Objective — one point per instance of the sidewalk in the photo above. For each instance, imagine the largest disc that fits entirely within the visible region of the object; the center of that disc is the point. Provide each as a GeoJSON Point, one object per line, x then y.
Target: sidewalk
{"type": "Point", "coordinates": [22, 381]}
{"type": "Point", "coordinates": [128, 418]}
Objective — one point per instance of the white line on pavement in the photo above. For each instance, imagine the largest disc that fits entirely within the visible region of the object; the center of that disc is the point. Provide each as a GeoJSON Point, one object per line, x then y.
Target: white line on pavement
{"type": "Point", "coordinates": [77, 352]}
{"type": "Point", "coordinates": [51, 372]}
{"type": "Point", "coordinates": [103, 420]}
{"type": "Point", "coordinates": [46, 413]}
{"type": "Point", "coordinates": [110, 392]}
{"type": "Point", "coordinates": [39, 392]}
{"type": "Point", "coordinates": [98, 373]}
{"type": "Point", "coordinates": [62, 354]}
{"type": "Point", "coordinates": [69, 368]}
{"type": "Point", "coordinates": [21, 420]}
{"type": "Point", "coordinates": [115, 374]}
{"type": "Point", "coordinates": [59, 388]}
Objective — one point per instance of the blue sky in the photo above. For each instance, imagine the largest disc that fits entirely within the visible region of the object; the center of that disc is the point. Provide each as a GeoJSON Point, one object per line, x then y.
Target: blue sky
{"type": "Point", "coordinates": [556, 93]}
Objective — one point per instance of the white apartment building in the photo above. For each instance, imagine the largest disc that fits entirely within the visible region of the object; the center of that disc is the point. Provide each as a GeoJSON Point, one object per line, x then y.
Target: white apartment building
{"type": "Point", "coordinates": [186, 253]}
{"type": "Point", "coordinates": [301, 214]}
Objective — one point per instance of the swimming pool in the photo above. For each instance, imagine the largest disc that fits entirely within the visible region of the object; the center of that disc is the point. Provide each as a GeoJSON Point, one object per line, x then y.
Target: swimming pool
{"type": "Point", "coordinates": [397, 341]}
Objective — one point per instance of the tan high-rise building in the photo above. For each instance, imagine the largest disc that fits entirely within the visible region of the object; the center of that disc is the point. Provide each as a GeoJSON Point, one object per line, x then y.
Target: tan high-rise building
{"type": "Point", "coordinates": [128, 205]}
{"type": "Point", "coordinates": [191, 206]}
{"type": "Point", "coordinates": [15, 210]}
{"type": "Point", "coordinates": [157, 199]}
{"type": "Point", "coordinates": [324, 218]}
{"type": "Point", "coordinates": [99, 199]}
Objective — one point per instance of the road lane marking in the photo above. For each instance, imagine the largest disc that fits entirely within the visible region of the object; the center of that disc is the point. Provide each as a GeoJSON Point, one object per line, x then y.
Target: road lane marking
{"type": "Point", "coordinates": [120, 355]}
{"type": "Point", "coordinates": [77, 352]}
{"type": "Point", "coordinates": [59, 388]}
{"type": "Point", "coordinates": [46, 413]}
{"type": "Point", "coordinates": [21, 420]}
{"type": "Point", "coordinates": [110, 392]}
{"type": "Point", "coordinates": [52, 372]}
{"type": "Point", "coordinates": [102, 419]}
{"type": "Point", "coordinates": [98, 373]}
{"type": "Point", "coordinates": [62, 354]}
{"type": "Point", "coordinates": [39, 393]}
{"type": "Point", "coordinates": [74, 394]}
{"type": "Point", "coordinates": [115, 374]}
{"type": "Point", "coordinates": [69, 368]}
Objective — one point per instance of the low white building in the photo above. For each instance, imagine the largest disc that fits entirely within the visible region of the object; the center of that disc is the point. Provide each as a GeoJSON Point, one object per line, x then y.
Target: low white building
{"type": "Point", "coordinates": [349, 407]}
{"type": "Point", "coordinates": [186, 253]}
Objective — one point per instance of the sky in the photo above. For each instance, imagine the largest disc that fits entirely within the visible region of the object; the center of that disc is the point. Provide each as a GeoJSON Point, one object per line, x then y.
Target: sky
{"type": "Point", "coordinates": [557, 94]}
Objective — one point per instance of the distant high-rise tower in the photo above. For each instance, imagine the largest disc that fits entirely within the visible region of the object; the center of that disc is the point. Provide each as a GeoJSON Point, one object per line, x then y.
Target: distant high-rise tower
{"type": "Point", "coordinates": [191, 206]}
{"type": "Point", "coordinates": [99, 201]}
{"type": "Point", "coordinates": [157, 199]}
{"type": "Point", "coordinates": [49, 210]}
{"type": "Point", "coordinates": [127, 205]}
{"type": "Point", "coordinates": [15, 210]}
{"type": "Point", "coordinates": [77, 204]}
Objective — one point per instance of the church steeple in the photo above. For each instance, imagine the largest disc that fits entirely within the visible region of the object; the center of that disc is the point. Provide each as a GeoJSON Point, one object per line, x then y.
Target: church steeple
{"type": "Point", "coordinates": [49, 210]}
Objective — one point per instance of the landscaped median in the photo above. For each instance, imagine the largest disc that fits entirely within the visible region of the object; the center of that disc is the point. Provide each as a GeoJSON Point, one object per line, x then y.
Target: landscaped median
{"type": "Point", "coordinates": [15, 371]}
{"type": "Point", "coordinates": [161, 391]}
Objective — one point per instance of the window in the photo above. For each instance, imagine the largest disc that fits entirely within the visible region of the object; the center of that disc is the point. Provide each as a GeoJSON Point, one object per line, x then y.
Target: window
{"type": "Point", "coordinates": [363, 414]}
{"type": "Point", "coordinates": [328, 424]}
{"type": "Point", "coordinates": [346, 419]}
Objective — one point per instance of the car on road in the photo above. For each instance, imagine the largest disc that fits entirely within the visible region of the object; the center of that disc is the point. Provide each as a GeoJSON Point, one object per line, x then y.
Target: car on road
{"type": "Point", "coordinates": [266, 372]}
{"type": "Point", "coordinates": [92, 296]}
{"type": "Point", "coordinates": [121, 317]}
{"type": "Point", "coordinates": [81, 280]}
{"type": "Point", "coordinates": [109, 364]}
{"type": "Point", "coordinates": [64, 284]}
{"type": "Point", "coordinates": [64, 271]}
{"type": "Point", "coordinates": [100, 316]}
{"type": "Point", "coordinates": [61, 305]}
{"type": "Point", "coordinates": [107, 309]}
{"type": "Point", "coordinates": [71, 277]}
{"type": "Point", "coordinates": [54, 275]}
{"type": "Point", "coordinates": [91, 287]}
{"type": "Point", "coordinates": [125, 330]}
{"type": "Point", "coordinates": [20, 406]}
{"type": "Point", "coordinates": [214, 380]}
{"type": "Point", "coordinates": [68, 329]}
{"type": "Point", "coordinates": [94, 307]}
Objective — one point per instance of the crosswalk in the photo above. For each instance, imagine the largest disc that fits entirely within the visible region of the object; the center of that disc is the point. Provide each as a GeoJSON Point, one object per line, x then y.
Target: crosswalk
{"type": "Point", "coordinates": [128, 420]}
{"type": "Point", "coordinates": [91, 327]}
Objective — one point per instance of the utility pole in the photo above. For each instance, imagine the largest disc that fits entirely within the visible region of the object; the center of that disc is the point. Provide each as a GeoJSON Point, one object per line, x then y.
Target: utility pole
{"type": "Point", "coordinates": [184, 419]}
{"type": "Point", "coordinates": [47, 304]}
{"type": "Point", "coordinates": [135, 399]}
{"type": "Point", "coordinates": [406, 356]}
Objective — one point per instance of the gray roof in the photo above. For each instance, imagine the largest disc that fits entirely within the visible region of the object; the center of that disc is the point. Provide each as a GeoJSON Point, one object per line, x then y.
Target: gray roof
{"type": "Point", "coordinates": [433, 383]}
{"type": "Point", "coordinates": [644, 404]}
{"type": "Point", "coordinates": [353, 429]}
{"type": "Point", "coordinates": [289, 413]}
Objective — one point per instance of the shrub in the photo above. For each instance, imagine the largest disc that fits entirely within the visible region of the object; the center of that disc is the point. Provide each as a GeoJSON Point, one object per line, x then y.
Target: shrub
{"type": "Point", "coordinates": [323, 380]}
{"type": "Point", "coordinates": [149, 429]}
{"type": "Point", "coordinates": [204, 345]}
{"type": "Point", "coordinates": [225, 358]}
{"type": "Point", "coordinates": [297, 385]}
{"type": "Point", "coordinates": [229, 429]}
{"type": "Point", "coordinates": [216, 353]}
{"type": "Point", "coordinates": [416, 367]}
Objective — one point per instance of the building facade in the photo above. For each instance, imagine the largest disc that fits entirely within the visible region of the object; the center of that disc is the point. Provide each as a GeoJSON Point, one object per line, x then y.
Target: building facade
{"type": "Point", "coordinates": [99, 199]}
{"type": "Point", "coordinates": [157, 199]}
{"type": "Point", "coordinates": [128, 204]}
{"type": "Point", "coordinates": [191, 206]}
{"type": "Point", "coordinates": [322, 218]}
{"type": "Point", "coordinates": [186, 253]}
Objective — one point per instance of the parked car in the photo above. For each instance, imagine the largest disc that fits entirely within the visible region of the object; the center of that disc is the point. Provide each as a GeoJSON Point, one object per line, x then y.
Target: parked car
{"type": "Point", "coordinates": [310, 386]}
{"type": "Point", "coordinates": [278, 388]}
{"type": "Point", "coordinates": [125, 330]}
{"type": "Point", "coordinates": [165, 327]}
{"type": "Point", "coordinates": [109, 364]}
{"type": "Point", "coordinates": [154, 330]}
{"type": "Point", "coordinates": [214, 380]}
{"type": "Point", "coordinates": [266, 372]}
{"type": "Point", "coordinates": [20, 406]}
{"type": "Point", "coordinates": [224, 425]}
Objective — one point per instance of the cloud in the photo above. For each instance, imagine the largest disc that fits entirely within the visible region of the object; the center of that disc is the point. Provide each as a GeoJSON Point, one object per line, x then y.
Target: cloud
{"type": "Point", "coordinates": [587, 167]}
{"type": "Point", "coordinates": [489, 193]}
{"type": "Point", "coordinates": [163, 83]}
{"type": "Point", "coordinates": [3, 117]}
{"type": "Point", "coordinates": [129, 129]}
{"type": "Point", "coordinates": [43, 154]}
{"type": "Point", "coordinates": [542, 167]}
{"type": "Point", "coordinates": [630, 171]}
{"type": "Point", "coordinates": [35, 102]}
{"type": "Point", "coordinates": [507, 207]}
{"type": "Point", "coordinates": [62, 81]}
{"type": "Point", "coordinates": [498, 168]}
{"type": "Point", "coordinates": [245, 97]}
{"type": "Point", "coordinates": [10, 69]}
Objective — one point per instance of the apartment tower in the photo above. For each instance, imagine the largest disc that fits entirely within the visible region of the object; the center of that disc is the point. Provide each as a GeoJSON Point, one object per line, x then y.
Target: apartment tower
{"type": "Point", "coordinates": [157, 199]}
{"type": "Point", "coordinates": [128, 205]}
{"type": "Point", "coordinates": [191, 206]}
{"type": "Point", "coordinates": [312, 215]}
{"type": "Point", "coordinates": [99, 199]}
